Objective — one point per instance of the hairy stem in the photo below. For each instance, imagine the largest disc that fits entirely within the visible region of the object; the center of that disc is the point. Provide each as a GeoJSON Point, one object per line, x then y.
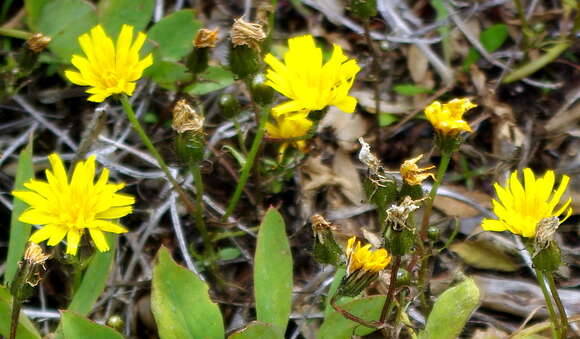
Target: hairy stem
{"type": "Point", "coordinates": [559, 305]}
{"type": "Point", "coordinates": [556, 333]}
{"type": "Point", "coordinates": [199, 208]}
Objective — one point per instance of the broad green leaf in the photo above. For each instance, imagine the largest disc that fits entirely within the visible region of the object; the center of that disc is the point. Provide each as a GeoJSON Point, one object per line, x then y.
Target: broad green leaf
{"type": "Point", "coordinates": [229, 253]}
{"type": "Point", "coordinates": [387, 119]}
{"type": "Point", "coordinates": [174, 34]}
{"type": "Point", "coordinates": [214, 78]}
{"type": "Point", "coordinates": [95, 278]}
{"type": "Point", "coordinates": [181, 304]}
{"type": "Point", "coordinates": [115, 13]}
{"type": "Point", "coordinates": [410, 89]}
{"type": "Point", "coordinates": [33, 10]}
{"type": "Point", "coordinates": [26, 329]}
{"type": "Point", "coordinates": [481, 254]}
{"type": "Point", "coordinates": [256, 329]}
{"type": "Point", "coordinates": [75, 326]}
{"type": "Point", "coordinates": [451, 311]}
{"type": "Point", "coordinates": [336, 326]}
{"type": "Point", "coordinates": [167, 73]}
{"type": "Point", "coordinates": [273, 272]}
{"type": "Point", "coordinates": [19, 231]}
{"type": "Point", "coordinates": [64, 21]}
{"type": "Point", "coordinates": [491, 39]}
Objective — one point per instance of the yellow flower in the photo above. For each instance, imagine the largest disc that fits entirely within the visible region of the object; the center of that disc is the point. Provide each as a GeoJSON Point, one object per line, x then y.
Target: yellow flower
{"type": "Point", "coordinates": [68, 207]}
{"type": "Point", "coordinates": [108, 68]}
{"type": "Point", "coordinates": [448, 118]}
{"type": "Point", "coordinates": [412, 174]}
{"type": "Point", "coordinates": [290, 126]}
{"type": "Point", "coordinates": [362, 258]}
{"type": "Point", "coordinates": [520, 209]}
{"type": "Point", "coordinates": [310, 84]}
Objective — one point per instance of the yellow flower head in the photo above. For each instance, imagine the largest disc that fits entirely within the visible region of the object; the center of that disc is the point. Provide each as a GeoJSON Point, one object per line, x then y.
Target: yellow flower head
{"type": "Point", "coordinates": [412, 174]}
{"type": "Point", "coordinates": [67, 207]}
{"type": "Point", "coordinates": [362, 258]}
{"type": "Point", "coordinates": [290, 126]}
{"type": "Point", "coordinates": [448, 118]}
{"type": "Point", "coordinates": [108, 68]}
{"type": "Point", "coordinates": [520, 208]}
{"type": "Point", "coordinates": [310, 84]}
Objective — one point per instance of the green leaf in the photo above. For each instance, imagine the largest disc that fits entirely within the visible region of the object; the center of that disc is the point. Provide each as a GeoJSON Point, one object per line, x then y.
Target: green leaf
{"type": "Point", "coordinates": [174, 34]}
{"type": "Point", "coordinates": [229, 253]}
{"type": "Point", "coordinates": [115, 13]}
{"type": "Point", "coordinates": [410, 89]}
{"type": "Point", "coordinates": [33, 10]}
{"type": "Point", "coordinates": [493, 37]}
{"type": "Point", "coordinates": [95, 279]}
{"type": "Point", "coordinates": [256, 329]}
{"type": "Point", "coordinates": [451, 311]}
{"type": "Point", "coordinates": [213, 79]}
{"type": "Point", "coordinates": [387, 119]}
{"type": "Point", "coordinates": [167, 73]}
{"type": "Point", "coordinates": [239, 156]}
{"type": "Point", "coordinates": [64, 21]}
{"type": "Point", "coordinates": [19, 231]}
{"type": "Point", "coordinates": [26, 329]}
{"type": "Point", "coordinates": [273, 272]}
{"type": "Point", "coordinates": [75, 326]}
{"type": "Point", "coordinates": [181, 304]}
{"type": "Point", "coordinates": [338, 275]}
{"type": "Point", "coordinates": [336, 326]}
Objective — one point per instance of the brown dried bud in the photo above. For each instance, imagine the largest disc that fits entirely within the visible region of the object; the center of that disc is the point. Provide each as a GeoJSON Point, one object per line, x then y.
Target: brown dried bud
{"type": "Point", "coordinates": [326, 250]}
{"type": "Point", "coordinates": [397, 215]}
{"type": "Point", "coordinates": [412, 174]}
{"type": "Point", "coordinates": [206, 38]}
{"type": "Point", "coordinates": [247, 33]}
{"type": "Point", "coordinates": [34, 259]}
{"type": "Point", "coordinates": [320, 226]}
{"type": "Point", "coordinates": [545, 233]}
{"type": "Point", "coordinates": [38, 42]}
{"type": "Point", "coordinates": [185, 118]}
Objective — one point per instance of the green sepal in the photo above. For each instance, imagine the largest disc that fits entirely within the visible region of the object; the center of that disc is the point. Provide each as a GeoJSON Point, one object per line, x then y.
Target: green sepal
{"type": "Point", "coordinates": [244, 61]}
{"type": "Point", "coordinates": [399, 242]}
{"type": "Point", "coordinates": [327, 252]}
{"type": "Point", "coordinates": [197, 60]}
{"type": "Point", "coordinates": [549, 259]}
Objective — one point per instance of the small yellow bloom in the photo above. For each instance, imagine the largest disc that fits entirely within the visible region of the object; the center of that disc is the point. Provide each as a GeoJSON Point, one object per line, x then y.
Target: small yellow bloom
{"type": "Point", "coordinates": [448, 118]}
{"type": "Point", "coordinates": [520, 208]}
{"type": "Point", "coordinates": [67, 207]}
{"type": "Point", "coordinates": [362, 258]}
{"type": "Point", "coordinates": [108, 68]}
{"type": "Point", "coordinates": [290, 126]}
{"type": "Point", "coordinates": [412, 174]}
{"type": "Point", "coordinates": [310, 84]}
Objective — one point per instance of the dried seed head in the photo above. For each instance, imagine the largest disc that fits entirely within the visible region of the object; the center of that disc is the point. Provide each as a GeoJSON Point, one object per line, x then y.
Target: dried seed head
{"type": "Point", "coordinates": [33, 264]}
{"type": "Point", "coordinates": [320, 226]}
{"type": "Point", "coordinates": [206, 38]}
{"type": "Point", "coordinates": [412, 174]}
{"type": "Point", "coordinates": [545, 233]}
{"type": "Point", "coordinates": [247, 33]}
{"type": "Point", "coordinates": [38, 42]}
{"type": "Point", "coordinates": [185, 118]}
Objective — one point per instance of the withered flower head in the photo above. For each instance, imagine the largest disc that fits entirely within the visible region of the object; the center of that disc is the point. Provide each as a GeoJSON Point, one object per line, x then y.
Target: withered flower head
{"type": "Point", "coordinates": [397, 215]}
{"type": "Point", "coordinates": [545, 233]}
{"type": "Point", "coordinates": [247, 33]}
{"type": "Point", "coordinates": [412, 174]}
{"type": "Point", "coordinates": [185, 118]}
{"type": "Point", "coordinates": [34, 254]}
{"type": "Point", "coordinates": [206, 38]}
{"type": "Point", "coordinates": [38, 42]}
{"type": "Point", "coordinates": [33, 264]}
{"type": "Point", "coordinates": [320, 226]}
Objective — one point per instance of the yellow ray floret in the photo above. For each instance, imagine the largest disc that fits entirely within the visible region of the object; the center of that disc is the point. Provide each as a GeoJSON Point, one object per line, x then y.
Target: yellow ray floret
{"type": "Point", "coordinates": [106, 67]}
{"type": "Point", "coordinates": [362, 258]}
{"type": "Point", "coordinates": [520, 208]}
{"type": "Point", "coordinates": [309, 83]}
{"type": "Point", "coordinates": [69, 207]}
{"type": "Point", "coordinates": [290, 126]}
{"type": "Point", "coordinates": [448, 118]}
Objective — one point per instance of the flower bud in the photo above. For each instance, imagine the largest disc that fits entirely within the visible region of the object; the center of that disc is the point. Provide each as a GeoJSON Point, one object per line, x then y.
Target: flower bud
{"type": "Point", "coordinates": [29, 271]}
{"type": "Point", "coordinates": [261, 93]}
{"type": "Point", "coordinates": [27, 57]}
{"type": "Point", "coordinates": [190, 141]}
{"type": "Point", "coordinates": [548, 259]}
{"type": "Point", "coordinates": [115, 322]}
{"type": "Point", "coordinates": [326, 250]}
{"type": "Point", "coordinates": [230, 105]}
{"type": "Point", "coordinates": [403, 277]}
{"type": "Point", "coordinates": [363, 9]}
{"type": "Point", "coordinates": [433, 233]}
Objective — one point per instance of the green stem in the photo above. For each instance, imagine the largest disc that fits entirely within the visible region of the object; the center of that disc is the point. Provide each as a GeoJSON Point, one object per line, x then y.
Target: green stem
{"type": "Point", "coordinates": [424, 262]}
{"type": "Point", "coordinates": [555, 323]}
{"type": "Point", "coordinates": [391, 291]}
{"type": "Point", "coordinates": [16, 305]}
{"type": "Point", "coordinates": [145, 139]}
{"type": "Point", "coordinates": [561, 309]}
{"type": "Point", "coordinates": [15, 33]}
{"type": "Point", "coordinates": [265, 111]}
{"type": "Point", "coordinates": [199, 208]}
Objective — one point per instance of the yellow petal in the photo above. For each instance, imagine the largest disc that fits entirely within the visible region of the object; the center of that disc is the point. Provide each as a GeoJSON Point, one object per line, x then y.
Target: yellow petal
{"type": "Point", "coordinates": [99, 239]}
